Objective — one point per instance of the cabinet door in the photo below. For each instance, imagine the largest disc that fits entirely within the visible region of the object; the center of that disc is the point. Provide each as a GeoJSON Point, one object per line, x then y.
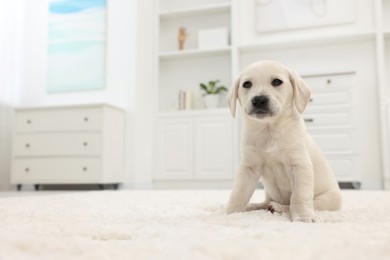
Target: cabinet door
{"type": "Point", "coordinates": [175, 149]}
{"type": "Point", "coordinates": [214, 148]}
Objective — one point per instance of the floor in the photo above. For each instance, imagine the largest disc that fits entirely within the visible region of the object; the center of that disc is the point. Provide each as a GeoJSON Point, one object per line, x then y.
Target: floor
{"type": "Point", "coordinates": [185, 224]}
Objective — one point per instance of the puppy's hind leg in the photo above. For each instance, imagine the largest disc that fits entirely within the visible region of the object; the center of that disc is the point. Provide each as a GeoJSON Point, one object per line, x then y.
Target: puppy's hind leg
{"type": "Point", "coordinates": [330, 200]}
{"type": "Point", "coordinates": [260, 206]}
{"type": "Point", "coordinates": [257, 206]}
{"type": "Point", "coordinates": [278, 208]}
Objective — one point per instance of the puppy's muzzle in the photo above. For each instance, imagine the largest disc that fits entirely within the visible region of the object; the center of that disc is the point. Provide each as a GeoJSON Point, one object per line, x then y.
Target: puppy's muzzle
{"type": "Point", "coordinates": [260, 105]}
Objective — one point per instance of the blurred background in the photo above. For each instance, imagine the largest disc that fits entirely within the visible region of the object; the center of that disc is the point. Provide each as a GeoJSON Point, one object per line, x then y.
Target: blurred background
{"type": "Point", "coordinates": [132, 94]}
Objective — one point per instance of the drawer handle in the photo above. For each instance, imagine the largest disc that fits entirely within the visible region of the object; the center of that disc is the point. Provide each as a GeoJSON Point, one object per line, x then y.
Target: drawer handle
{"type": "Point", "coordinates": [29, 121]}
{"type": "Point", "coordinates": [27, 145]}
{"type": "Point", "coordinates": [328, 81]}
{"type": "Point", "coordinates": [85, 169]}
{"type": "Point", "coordinates": [85, 144]}
{"type": "Point", "coordinates": [27, 169]}
{"type": "Point", "coordinates": [311, 100]}
{"type": "Point", "coordinates": [308, 120]}
{"type": "Point", "coordinates": [86, 119]}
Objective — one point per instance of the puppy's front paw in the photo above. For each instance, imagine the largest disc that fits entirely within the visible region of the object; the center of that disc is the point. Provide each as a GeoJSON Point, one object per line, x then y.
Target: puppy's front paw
{"type": "Point", "coordinates": [232, 208]}
{"type": "Point", "coordinates": [307, 217]}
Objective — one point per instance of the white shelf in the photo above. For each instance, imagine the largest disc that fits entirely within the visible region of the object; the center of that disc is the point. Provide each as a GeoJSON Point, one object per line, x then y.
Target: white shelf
{"type": "Point", "coordinates": [323, 73]}
{"type": "Point", "coordinates": [172, 55]}
{"type": "Point", "coordinates": [216, 8]}
{"type": "Point", "coordinates": [194, 112]}
{"type": "Point", "coordinates": [306, 41]}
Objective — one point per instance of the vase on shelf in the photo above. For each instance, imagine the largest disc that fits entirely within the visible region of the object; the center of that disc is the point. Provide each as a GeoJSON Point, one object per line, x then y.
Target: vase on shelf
{"type": "Point", "coordinates": [211, 100]}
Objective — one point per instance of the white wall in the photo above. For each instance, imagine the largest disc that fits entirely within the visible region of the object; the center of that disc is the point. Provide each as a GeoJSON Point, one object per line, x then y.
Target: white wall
{"type": "Point", "coordinates": [27, 28]}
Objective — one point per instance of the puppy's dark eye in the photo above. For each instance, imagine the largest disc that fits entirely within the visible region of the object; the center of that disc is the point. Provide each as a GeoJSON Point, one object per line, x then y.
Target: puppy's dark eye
{"type": "Point", "coordinates": [247, 84]}
{"type": "Point", "coordinates": [276, 82]}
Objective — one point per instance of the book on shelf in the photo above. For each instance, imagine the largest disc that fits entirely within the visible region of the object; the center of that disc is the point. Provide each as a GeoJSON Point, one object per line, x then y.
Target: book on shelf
{"type": "Point", "coordinates": [185, 100]}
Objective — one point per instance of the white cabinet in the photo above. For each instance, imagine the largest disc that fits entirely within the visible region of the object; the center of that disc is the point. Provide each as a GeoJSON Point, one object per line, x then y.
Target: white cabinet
{"type": "Point", "coordinates": [175, 149]}
{"type": "Point", "coordinates": [214, 147]}
{"type": "Point", "coordinates": [72, 144]}
{"type": "Point", "coordinates": [197, 146]}
{"type": "Point", "coordinates": [332, 120]}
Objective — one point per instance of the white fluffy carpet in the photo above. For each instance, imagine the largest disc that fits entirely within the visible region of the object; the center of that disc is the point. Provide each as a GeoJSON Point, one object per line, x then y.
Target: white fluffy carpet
{"type": "Point", "coordinates": [186, 225]}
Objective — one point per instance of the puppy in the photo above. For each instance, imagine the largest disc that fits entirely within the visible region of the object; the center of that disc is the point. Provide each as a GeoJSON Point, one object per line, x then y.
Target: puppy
{"type": "Point", "coordinates": [276, 147]}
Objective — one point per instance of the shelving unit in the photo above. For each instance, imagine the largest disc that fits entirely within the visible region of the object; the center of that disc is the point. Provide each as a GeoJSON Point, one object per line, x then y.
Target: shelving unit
{"type": "Point", "coordinates": [361, 48]}
{"type": "Point", "coordinates": [196, 16]}
{"type": "Point", "coordinates": [187, 140]}
{"type": "Point", "coordinates": [207, 9]}
{"type": "Point", "coordinates": [194, 53]}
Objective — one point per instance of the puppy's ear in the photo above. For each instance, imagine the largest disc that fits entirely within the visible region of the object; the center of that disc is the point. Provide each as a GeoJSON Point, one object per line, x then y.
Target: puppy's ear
{"type": "Point", "coordinates": [232, 96]}
{"type": "Point", "coordinates": [301, 91]}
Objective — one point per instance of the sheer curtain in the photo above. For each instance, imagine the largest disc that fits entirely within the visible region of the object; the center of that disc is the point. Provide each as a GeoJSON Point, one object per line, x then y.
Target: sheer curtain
{"type": "Point", "coordinates": [10, 78]}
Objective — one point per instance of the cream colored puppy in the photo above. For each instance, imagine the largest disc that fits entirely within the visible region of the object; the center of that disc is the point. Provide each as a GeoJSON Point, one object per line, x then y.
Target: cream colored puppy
{"type": "Point", "coordinates": [276, 147]}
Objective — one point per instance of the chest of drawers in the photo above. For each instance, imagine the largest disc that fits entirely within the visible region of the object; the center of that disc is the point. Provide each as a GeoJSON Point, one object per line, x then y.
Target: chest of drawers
{"type": "Point", "coordinates": [68, 145]}
{"type": "Point", "coordinates": [332, 120]}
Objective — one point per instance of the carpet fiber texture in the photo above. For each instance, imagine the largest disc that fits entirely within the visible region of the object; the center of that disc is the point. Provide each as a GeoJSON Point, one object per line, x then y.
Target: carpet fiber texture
{"type": "Point", "coordinates": [187, 224]}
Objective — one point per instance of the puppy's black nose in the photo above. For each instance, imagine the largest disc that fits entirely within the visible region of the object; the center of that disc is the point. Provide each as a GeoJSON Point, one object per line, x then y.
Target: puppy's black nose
{"type": "Point", "coordinates": [260, 101]}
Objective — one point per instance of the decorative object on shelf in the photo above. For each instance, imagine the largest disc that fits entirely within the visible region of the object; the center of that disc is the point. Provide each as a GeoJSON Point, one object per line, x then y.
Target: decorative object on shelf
{"type": "Point", "coordinates": [213, 38]}
{"type": "Point", "coordinates": [182, 37]}
{"type": "Point", "coordinates": [211, 95]}
{"type": "Point", "coordinates": [298, 14]}
{"type": "Point", "coordinates": [185, 100]}
{"type": "Point", "coordinates": [76, 49]}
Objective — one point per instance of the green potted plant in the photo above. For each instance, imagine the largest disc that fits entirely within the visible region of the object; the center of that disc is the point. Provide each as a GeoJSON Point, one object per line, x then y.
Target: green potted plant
{"type": "Point", "coordinates": [211, 93]}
